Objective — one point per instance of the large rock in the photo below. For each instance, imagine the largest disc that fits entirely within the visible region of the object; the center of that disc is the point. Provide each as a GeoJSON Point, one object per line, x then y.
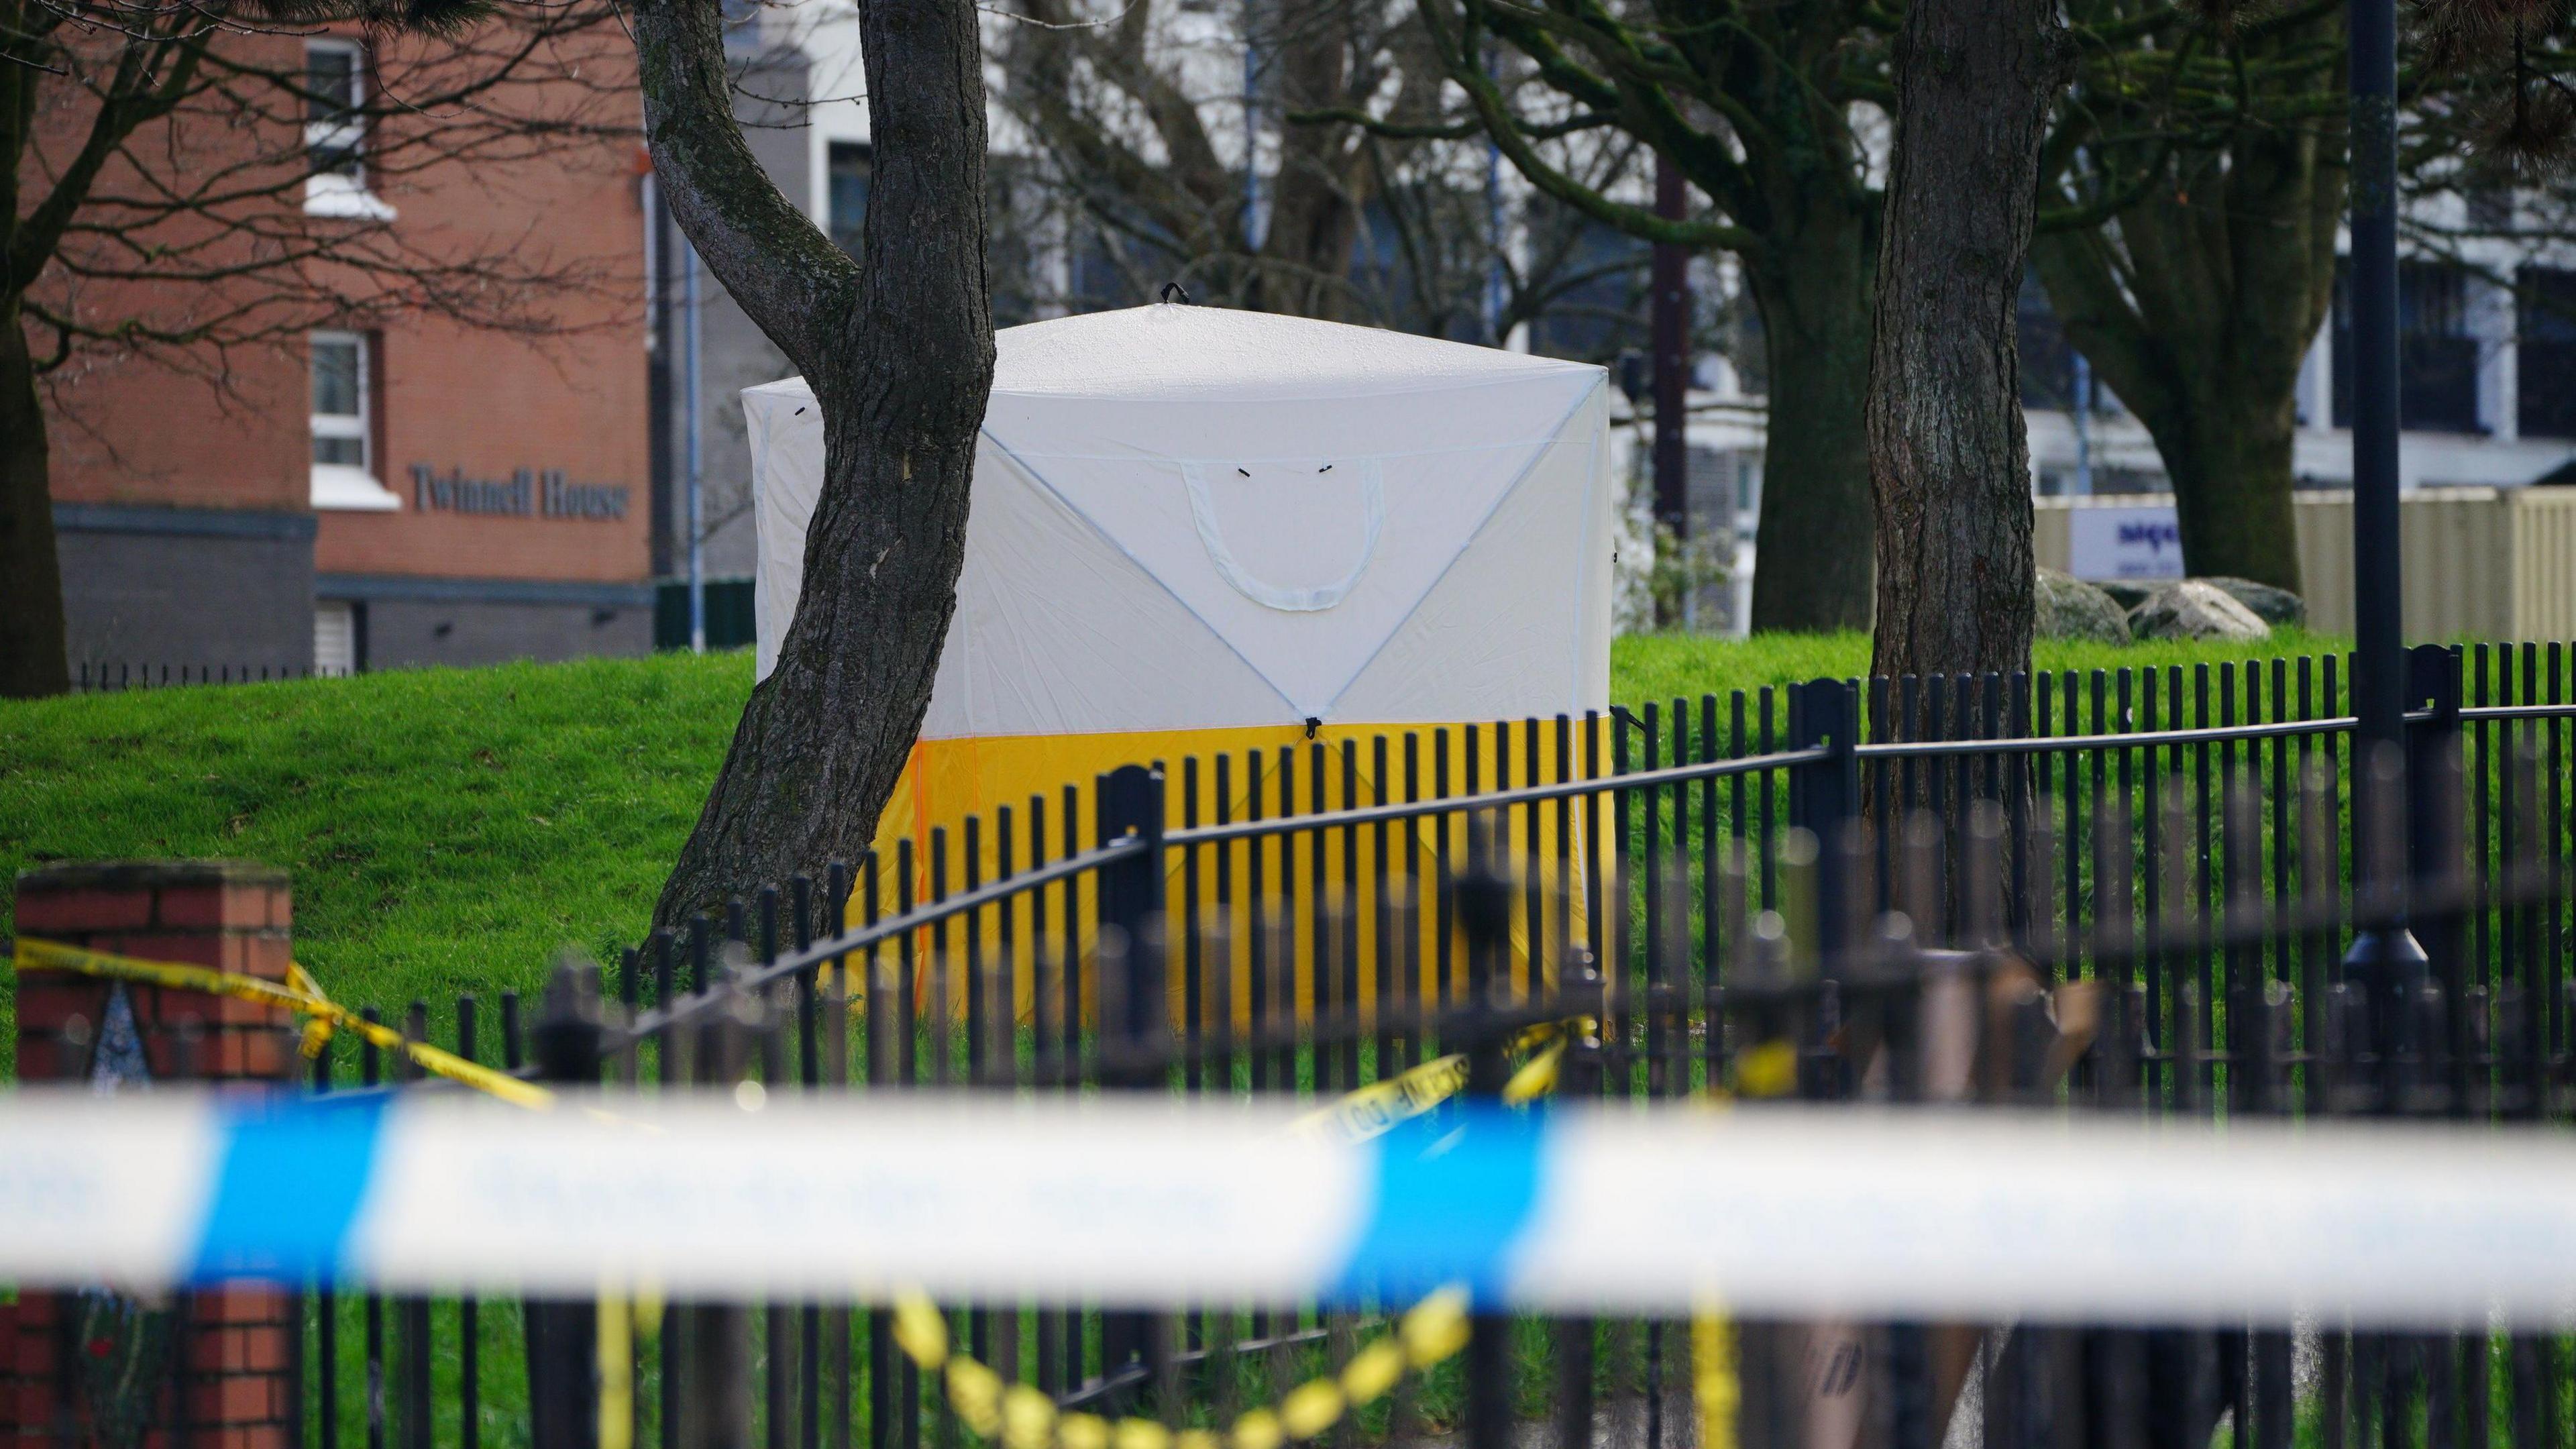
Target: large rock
{"type": "Point", "coordinates": [2066, 607]}
{"type": "Point", "coordinates": [2194, 609]}
{"type": "Point", "coordinates": [2129, 593]}
{"type": "Point", "coordinates": [2276, 607]}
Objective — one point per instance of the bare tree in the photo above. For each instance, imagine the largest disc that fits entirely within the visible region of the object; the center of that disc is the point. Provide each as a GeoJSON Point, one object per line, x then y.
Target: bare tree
{"type": "Point", "coordinates": [1138, 114]}
{"type": "Point", "coordinates": [898, 346]}
{"type": "Point", "coordinates": [182, 191]}
{"type": "Point", "coordinates": [1769, 111]}
{"type": "Point", "coordinates": [1141, 111]}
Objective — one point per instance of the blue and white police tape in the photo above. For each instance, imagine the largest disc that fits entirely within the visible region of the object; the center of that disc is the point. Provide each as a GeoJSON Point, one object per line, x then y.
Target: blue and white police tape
{"type": "Point", "coordinates": [1779, 1212]}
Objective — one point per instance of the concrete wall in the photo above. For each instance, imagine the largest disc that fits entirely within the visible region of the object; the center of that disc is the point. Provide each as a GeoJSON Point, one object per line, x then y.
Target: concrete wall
{"type": "Point", "coordinates": [186, 587]}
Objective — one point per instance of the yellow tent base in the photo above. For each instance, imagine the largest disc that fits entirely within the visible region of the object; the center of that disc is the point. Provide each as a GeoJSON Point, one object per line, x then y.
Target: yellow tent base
{"type": "Point", "coordinates": [972, 811]}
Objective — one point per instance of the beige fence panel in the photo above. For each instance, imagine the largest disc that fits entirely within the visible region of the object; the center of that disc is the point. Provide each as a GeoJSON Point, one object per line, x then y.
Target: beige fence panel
{"type": "Point", "coordinates": [2544, 563]}
{"type": "Point", "coordinates": [2484, 563]}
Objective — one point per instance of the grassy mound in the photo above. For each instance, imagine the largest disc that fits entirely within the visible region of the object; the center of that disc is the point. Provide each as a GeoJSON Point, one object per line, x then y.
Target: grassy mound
{"type": "Point", "coordinates": [450, 830]}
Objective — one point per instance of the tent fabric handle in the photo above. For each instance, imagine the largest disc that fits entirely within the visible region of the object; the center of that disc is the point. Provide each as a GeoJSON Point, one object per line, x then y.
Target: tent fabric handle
{"type": "Point", "coordinates": [1308, 600]}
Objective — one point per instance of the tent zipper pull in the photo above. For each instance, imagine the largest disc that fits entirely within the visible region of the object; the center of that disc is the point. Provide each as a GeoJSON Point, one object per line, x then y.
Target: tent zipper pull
{"type": "Point", "coordinates": [1313, 724]}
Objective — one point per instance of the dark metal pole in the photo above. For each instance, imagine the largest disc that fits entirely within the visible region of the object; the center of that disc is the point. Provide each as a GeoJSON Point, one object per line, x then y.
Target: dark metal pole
{"type": "Point", "coordinates": [2379, 666]}
{"type": "Point", "coordinates": [1483, 896]}
{"type": "Point", "coordinates": [1670, 311]}
{"type": "Point", "coordinates": [1134, 1005]}
{"type": "Point", "coordinates": [1824, 799]}
{"type": "Point", "coordinates": [562, 1344]}
{"type": "Point", "coordinates": [715, 1412]}
{"type": "Point", "coordinates": [2383, 954]}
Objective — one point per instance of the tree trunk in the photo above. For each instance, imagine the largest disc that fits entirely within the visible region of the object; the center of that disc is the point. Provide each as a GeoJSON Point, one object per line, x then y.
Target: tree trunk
{"type": "Point", "coordinates": [1949, 458]}
{"type": "Point", "coordinates": [1304, 265]}
{"type": "Point", "coordinates": [1813, 284]}
{"type": "Point", "coordinates": [2230, 462]}
{"type": "Point", "coordinates": [900, 356]}
{"type": "Point", "coordinates": [32, 662]}
{"type": "Point", "coordinates": [2197, 311]}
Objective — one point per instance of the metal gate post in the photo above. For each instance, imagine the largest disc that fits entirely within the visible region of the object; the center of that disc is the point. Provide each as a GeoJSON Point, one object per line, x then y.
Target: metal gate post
{"type": "Point", "coordinates": [1135, 1022]}
{"type": "Point", "coordinates": [562, 1335]}
{"type": "Point", "coordinates": [1824, 800]}
{"type": "Point", "coordinates": [2436, 864]}
{"type": "Point", "coordinates": [1484, 893]}
{"type": "Point", "coordinates": [1131, 904]}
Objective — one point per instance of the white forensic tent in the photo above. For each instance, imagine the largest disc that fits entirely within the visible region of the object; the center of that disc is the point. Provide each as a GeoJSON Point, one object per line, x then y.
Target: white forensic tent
{"type": "Point", "coordinates": [1198, 531]}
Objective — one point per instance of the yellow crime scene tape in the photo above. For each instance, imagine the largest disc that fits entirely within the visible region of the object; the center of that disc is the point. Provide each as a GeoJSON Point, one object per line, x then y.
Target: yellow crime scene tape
{"type": "Point", "coordinates": [1018, 1416]}
{"type": "Point", "coordinates": [299, 993]}
{"type": "Point", "coordinates": [1382, 1106]}
{"type": "Point", "coordinates": [1021, 1417]}
{"type": "Point", "coordinates": [1715, 1389]}
{"type": "Point", "coordinates": [1765, 1069]}
{"type": "Point", "coordinates": [620, 1317]}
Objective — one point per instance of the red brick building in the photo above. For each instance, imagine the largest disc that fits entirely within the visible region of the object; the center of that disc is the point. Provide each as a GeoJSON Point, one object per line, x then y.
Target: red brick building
{"type": "Point", "coordinates": [420, 492]}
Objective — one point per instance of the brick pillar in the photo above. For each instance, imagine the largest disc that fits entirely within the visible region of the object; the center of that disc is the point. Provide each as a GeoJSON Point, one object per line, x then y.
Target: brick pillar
{"type": "Point", "coordinates": [232, 1383]}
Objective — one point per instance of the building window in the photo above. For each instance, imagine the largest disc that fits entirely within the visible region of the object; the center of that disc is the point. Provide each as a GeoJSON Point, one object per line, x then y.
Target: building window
{"type": "Point", "coordinates": [2437, 359]}
{"type": "Point", "coordinates": [340, 400]}
{"type": "Point", "coordinates": [334, 135]}
{"type": "Point", "coordinates": [335, 132]}
{"type": "Point", "coordinates": [343, 425]}
{"type": "Point", "coordinates": [846, 200]}
{"type": "Point", "coordinates": [2545, 354]}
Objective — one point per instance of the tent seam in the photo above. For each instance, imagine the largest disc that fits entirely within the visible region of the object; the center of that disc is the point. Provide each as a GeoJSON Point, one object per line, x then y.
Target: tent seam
{"type": "Point", "coordinates": [1299, 457]}
{"type": "Point", "coordinates": [1141, 567]}
{"type": "Point", "coordinates": [1592, 501]}
{"type": "Point", "coordinates": [1553, 437]}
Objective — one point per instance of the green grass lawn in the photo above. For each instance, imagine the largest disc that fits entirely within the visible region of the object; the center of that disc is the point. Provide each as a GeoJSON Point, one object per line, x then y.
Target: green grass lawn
{"type": "Point", "coordinates": [1670, 666]}
{"type": "Point", "coordinates": [451, 830]}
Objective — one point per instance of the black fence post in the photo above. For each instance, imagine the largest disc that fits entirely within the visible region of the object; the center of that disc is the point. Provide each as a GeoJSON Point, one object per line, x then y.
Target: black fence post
{"type": "Point", "coordinates": [715, 1410]}
{"type": "Point", "coordinates": [1135, 1019]}
{"type": "Point", "coordinates": [562, 1334]}
{"type": "Point", "coordinates": [1131, 904]}
{"type": "Point", "coordinates": [1824, 800]}
{"type": "Point", "coordinates": [2434, 839]}
{"type": "Point", "coordinates": [1579, 1081]}
{"type": "Point", "coordinates": [1484, 894]}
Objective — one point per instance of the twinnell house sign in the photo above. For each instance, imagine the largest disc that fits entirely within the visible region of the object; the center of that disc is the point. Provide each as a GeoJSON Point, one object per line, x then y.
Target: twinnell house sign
{"type": "Point", "coordinates": [526, 493]}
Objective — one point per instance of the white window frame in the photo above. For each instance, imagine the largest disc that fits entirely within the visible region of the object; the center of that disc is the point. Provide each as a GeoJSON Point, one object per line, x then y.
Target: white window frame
{"type": "Point", "coordinates": [341, 485]}
{"type": "Point", "coordinates": [335, 193]}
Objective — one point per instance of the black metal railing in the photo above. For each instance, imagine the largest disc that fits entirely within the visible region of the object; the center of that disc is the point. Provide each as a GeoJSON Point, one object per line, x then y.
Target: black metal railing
{"type": "Point", "coordinates": [1702, 879]}
{"type": "Point", "coordinates": [103, 676]}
